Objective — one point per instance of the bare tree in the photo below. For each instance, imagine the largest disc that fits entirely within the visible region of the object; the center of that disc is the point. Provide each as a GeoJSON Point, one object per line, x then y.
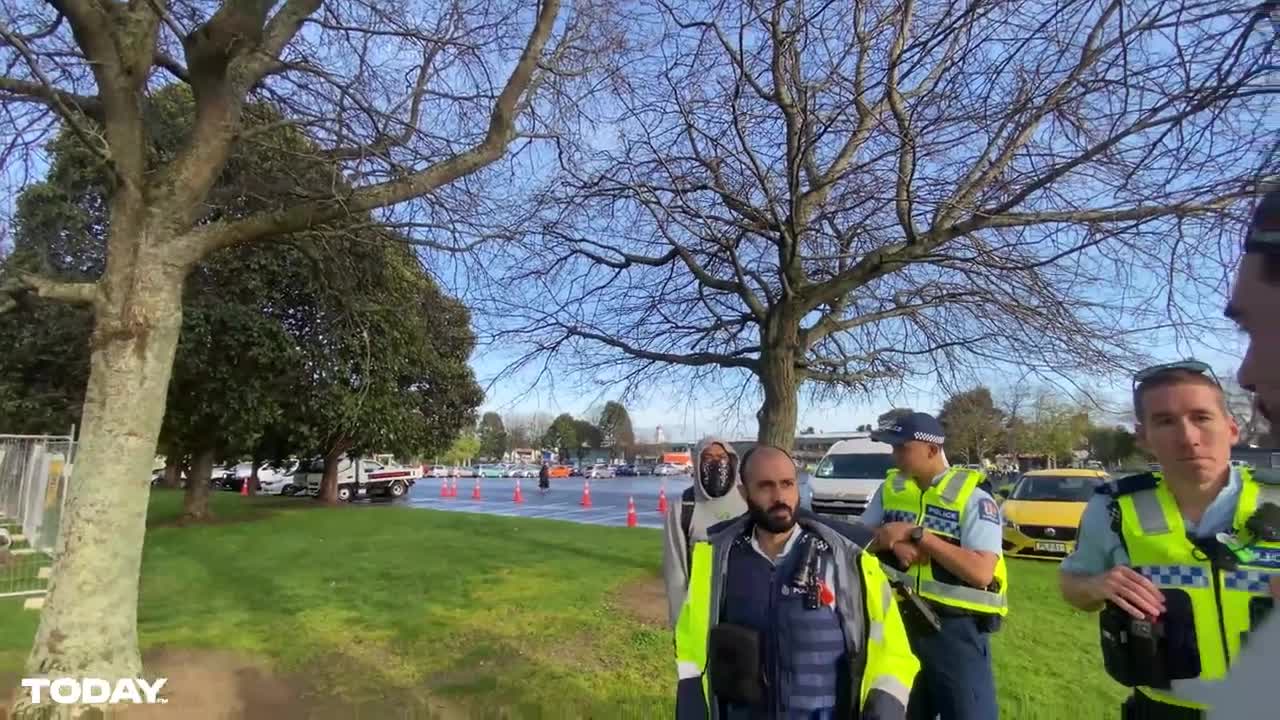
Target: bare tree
{"type": "Point", "coordinates": [841, 196]}
{"type": "Point", "coordinates": [400, 101]}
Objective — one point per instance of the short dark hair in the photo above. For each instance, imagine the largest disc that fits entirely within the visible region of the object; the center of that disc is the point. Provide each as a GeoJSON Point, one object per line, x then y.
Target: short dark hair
{"type": "Point", "coordinates": [746, 457]}
{"type": "Point", "coordinates": [1169, 378]}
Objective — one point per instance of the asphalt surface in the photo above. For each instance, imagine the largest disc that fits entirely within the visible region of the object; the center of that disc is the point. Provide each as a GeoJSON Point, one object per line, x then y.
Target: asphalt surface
{"type": "Point", "coordinates": [562, 502]}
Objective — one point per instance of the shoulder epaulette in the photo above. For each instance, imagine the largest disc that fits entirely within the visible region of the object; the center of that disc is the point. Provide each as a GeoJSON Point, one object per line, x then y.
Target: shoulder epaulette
{"type": "Point", "coordinates": [1134, 483]}
{"type": "Point", "coordinates": [1267, 476]}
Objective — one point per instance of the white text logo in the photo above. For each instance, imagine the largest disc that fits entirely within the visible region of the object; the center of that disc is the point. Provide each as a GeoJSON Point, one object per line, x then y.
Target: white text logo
{"type": "Point", "coordinates": [95, 691]}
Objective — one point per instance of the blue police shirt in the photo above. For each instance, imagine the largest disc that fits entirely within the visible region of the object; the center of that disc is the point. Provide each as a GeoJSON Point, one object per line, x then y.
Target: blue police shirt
{"type": "Point", "coordinates": [980, 529]}
{"type": "Point", "coordinates": [1098, 547]}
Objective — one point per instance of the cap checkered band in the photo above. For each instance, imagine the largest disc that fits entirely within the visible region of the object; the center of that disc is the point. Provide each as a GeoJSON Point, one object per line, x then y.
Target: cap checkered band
{"type": "Point", "coordinates": [1250, 581]}
{"type": "Point", "coordinates": [899, 516]}
{"type": "Point", "coordinates": [926, 437]}
{"type": "Point", "coordinates": [1176, 575]}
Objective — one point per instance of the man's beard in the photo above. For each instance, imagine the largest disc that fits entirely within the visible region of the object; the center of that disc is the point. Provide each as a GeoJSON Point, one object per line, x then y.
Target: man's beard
{"type": "Point", "coordinates": [779, 523]}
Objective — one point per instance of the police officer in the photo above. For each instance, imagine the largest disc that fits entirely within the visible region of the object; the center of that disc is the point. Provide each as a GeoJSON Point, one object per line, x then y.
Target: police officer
{"type": "Point", "coordinates": [786, 617]}
{"type": "Point", "coordinates": [1177, 560]}
{"type": "Point", "coordinates": [941, 528]}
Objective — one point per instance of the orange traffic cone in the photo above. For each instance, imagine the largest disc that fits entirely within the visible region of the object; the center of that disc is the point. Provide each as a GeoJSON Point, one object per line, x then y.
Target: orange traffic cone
{"type": "Point", "coordinates": [519, 496]}
{"type": "Point", "coordinates": [475, 494]}
{"type": "Point", "coordinates": [586, 494]}
{"type": "Point", "coordinates": [662, 498]}
{"type": "Point", "coordinates": [444, 487]}
{"type": "Point", "coordinates": [453, 488]}
{"type": "Point", "coordinates": [244, 486]}
{"type": "Point", "coordinates": [631, 512]}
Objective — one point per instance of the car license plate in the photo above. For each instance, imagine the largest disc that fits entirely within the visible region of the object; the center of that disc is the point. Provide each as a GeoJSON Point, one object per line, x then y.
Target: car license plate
{"type": "Point", "coordinates": [1057, 547]}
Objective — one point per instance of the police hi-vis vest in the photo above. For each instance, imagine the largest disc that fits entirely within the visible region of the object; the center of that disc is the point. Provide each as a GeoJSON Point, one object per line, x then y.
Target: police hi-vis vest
{"type": "Point", "coordinates": [889, 668]}
{"type": "Point", "coordinates": [1226, 603]}
{"type": "Point", "coordinates": [940, 509]}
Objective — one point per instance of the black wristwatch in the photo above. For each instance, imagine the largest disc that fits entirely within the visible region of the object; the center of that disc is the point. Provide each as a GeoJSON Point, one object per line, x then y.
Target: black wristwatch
{"type": "Point", "coordinates": [917, 534]}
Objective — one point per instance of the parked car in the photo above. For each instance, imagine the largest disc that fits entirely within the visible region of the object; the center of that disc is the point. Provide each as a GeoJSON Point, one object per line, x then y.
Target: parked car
{"type": "Point", "coordinates": [490, 471]}
{"type": "Point", "coordinates": [644, 469]}
{"type": "Point", "coordinates": [667, 469]}
{"type": "Point", "coordinates": [849, 475]}
{"type": "Point", "coordinates": [437, 471]}
{"type": "Point", "coordinates": [599, 471]}
{"type": "Point", "coordinates": [360, 478]}
{"type": "Point", "coordinates": [272, 477]}
{"type": "Point", "coordinates": [559, 471]}
{"type": "Point", "coordinates": [626, 471]}
{"type": "Point", "coordinates": [1042, 512]}
{"type": "Point", "coordinates": [523, 471]}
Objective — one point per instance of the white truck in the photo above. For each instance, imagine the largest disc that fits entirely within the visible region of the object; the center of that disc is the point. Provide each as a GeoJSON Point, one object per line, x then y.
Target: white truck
{"type": "Point", "coordinates": [848, 476]}
{"type": "Point", "coordinates": [360, 477]}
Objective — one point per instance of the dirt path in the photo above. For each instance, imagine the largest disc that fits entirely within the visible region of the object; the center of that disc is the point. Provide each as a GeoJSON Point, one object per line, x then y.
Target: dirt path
{"type": "Point", "coordinates": [645, 600]}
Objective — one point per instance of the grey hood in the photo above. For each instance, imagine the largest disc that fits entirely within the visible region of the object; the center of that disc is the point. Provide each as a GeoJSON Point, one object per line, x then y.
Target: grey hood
{"type": "Point", "coordinates": [700, 492]}
{"type": "Point", "coordinates": [706, 511]}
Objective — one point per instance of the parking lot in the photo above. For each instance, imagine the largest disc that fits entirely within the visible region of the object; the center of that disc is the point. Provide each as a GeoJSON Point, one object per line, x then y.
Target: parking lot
{"type": "Point", "coordinates": [562, 502]}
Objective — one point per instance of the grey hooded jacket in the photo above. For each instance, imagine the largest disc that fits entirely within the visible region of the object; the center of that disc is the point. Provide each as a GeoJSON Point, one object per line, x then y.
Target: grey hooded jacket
{"type": "Point", "coordinates": [707, 511]}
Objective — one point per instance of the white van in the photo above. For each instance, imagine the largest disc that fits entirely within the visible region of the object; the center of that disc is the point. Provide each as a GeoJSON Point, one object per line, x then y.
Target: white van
{"type": "Point", "coordinates": [849, 474]}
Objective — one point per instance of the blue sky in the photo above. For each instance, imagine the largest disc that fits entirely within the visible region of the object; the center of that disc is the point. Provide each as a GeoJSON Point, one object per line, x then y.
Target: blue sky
{"type": "Point", "coordinates": [684, 419]}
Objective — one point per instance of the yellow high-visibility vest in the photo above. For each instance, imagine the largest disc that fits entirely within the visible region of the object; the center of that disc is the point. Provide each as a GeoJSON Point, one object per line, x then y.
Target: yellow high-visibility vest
{"type": "Point", "coordinates": [940, 509]}
{"type": "Point", "coordinates": [1155, 538]}
{"type": "Point", "coordinates": [890, 664]}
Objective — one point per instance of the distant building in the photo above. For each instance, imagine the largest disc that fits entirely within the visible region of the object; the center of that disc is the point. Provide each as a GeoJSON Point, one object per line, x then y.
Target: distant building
{"type": "Point", "coordinates": [1257, 457]}
{"type": "Point", "coordinates": [808, 448]}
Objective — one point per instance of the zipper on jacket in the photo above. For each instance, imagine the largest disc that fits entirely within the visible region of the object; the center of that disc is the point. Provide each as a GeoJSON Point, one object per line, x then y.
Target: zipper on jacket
{"type": "Point", "coordinates": [771, 670]}
{"type": "Point", "coordinates": [1222, 622]}
{"type": "Point", "coordinates": [920, 522]}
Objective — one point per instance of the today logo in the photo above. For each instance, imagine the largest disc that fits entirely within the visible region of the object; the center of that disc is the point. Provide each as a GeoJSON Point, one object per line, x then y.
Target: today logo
{"type": "Point", "coordinates": [69, 691]}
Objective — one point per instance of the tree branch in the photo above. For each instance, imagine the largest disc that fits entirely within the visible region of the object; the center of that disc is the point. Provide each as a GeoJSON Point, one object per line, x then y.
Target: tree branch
{"type": "Point", "coordinates": [14, 290]}
{"type": "Point", "coordinates": [207, 238]}
{"type": "Point", "coordinates": [690, 359]}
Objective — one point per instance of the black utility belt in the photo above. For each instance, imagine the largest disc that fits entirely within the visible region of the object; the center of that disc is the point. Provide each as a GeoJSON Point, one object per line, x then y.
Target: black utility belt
{"type": "Point", "coordinates": [1154, 653]}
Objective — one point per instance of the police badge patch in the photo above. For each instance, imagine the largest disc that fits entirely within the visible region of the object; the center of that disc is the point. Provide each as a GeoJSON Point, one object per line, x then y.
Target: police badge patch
{"type": "Point", "coordinates": [988, 511]}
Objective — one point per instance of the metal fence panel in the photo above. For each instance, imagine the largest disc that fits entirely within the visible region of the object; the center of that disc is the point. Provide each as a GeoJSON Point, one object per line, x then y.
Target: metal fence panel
{"type": "Point", "coordinates": [34, 473]}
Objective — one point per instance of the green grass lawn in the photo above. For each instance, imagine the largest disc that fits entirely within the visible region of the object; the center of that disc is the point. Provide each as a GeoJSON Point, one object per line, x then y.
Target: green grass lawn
{"type": "Point", "coordinates": [493, 614]}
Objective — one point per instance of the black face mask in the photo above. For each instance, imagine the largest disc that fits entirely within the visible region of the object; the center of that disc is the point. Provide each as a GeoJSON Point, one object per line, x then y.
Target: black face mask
{"type": "Point", "coordinates": [778, 522]}
{"type": "Point", "coordinates": [717, 477]}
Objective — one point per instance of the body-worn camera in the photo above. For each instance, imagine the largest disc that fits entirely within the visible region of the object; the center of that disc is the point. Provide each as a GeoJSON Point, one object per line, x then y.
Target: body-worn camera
{"type": "Point", "coordinates": [1150, 652]}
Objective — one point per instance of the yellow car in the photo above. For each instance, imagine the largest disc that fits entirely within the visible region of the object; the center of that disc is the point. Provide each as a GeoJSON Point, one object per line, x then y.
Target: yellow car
{"type": "Point", "coordinates": [1042, 511]}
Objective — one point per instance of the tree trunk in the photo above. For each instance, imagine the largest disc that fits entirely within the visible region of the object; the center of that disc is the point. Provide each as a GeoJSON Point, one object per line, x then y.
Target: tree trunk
{"type": "Point", "coordinates": [329, 483]}
{"type": "Point", "coordinates": [172, 473]}
{"type": "Point", "coordinates": [781, 384]}
{"type": "Point", "coordinates": [88, 627]}
{"type": "Point", "coordinates": [195, 504]}
{"type": "Point", "coordinates": [253, 475]}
